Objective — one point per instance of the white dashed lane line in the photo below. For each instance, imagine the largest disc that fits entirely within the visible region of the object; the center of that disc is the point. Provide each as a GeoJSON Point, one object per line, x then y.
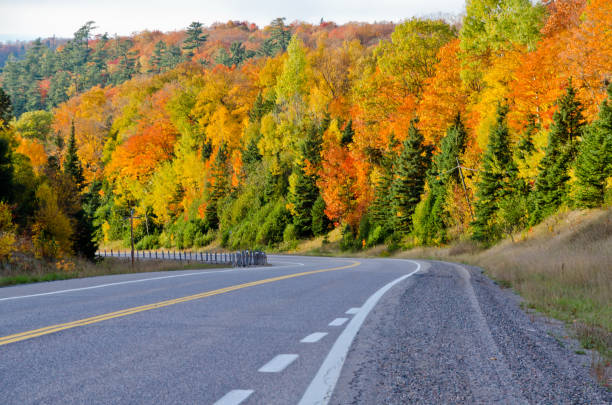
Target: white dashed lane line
{"type": "Point", "coordinates": [338, 322]}
{"type": "Point", "coordinates": [314, 337]}
{"type": "Point", "coordinates": [352, 311]}
{"type": "Point", "coordinates": [278, 363]}
{"type": "Point", "coordinates": [234, 397]}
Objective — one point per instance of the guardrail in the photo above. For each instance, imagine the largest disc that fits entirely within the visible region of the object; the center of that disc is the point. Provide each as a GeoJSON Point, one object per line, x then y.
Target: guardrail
{"type": "Point", "coordinates": [243, 258]}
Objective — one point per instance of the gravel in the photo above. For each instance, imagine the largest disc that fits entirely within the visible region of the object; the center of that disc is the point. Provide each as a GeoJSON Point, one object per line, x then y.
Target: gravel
{"type": "Point", "coordinates": [454, 336]}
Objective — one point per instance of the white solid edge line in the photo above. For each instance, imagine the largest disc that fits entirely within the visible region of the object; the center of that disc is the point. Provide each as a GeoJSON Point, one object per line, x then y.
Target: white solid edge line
{"type": "Point", "coordinates": [338, 322]}
{"type": "Point", "coordinates": [202, 273]}
{"type": "Point", "coordinates": [352, 311]}
{"type": "Point", "coordinates": [314, 337]}
{"type": "Point", "coordinates": [278, 363]}
{"type": "Point", "coordinates": [234, 397]}
{"type": "Point", "coordinates": [322, 386]}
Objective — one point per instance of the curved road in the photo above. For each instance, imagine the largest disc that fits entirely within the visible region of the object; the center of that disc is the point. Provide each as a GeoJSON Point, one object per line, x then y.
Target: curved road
{"type": "Point", "coordinates": [306, 330]}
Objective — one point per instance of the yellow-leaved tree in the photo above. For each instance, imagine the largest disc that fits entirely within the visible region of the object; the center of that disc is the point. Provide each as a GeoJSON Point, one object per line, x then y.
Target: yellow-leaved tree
{"type": "Point", "coordinates": [52, 230]}
{"type": "Point", "coordinates": [7, 232]}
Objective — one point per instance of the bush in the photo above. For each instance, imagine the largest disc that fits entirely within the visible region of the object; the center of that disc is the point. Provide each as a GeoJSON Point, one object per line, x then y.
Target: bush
{"type": "Point", "coordinates": [290, 234]}
{"type": "Point", "coordinates": [377, 236]}
{"type": "Point", "coordinates": [349, 242]}
{"type": "Point", "coordinates": [148, 242]}
{"type": "Point", "coordinates": [271, 231]}
{"type": "Point", "coordinates": [202, 239]}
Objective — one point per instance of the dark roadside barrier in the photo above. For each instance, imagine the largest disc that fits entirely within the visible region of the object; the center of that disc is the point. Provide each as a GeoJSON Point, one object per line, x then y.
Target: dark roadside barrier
{"type": "Point", "coordinates": [242, 258]}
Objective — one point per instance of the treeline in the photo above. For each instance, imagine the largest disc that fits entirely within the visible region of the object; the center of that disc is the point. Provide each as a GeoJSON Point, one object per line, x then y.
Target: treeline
{"type": "Point", "coordinates": [435, 134]}
{"type": "Point", "coordinates": [46, 73]}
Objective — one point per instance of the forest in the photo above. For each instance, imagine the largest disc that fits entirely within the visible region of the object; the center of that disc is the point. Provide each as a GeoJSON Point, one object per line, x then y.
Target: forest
{"type": "Point", "coordinates": [422, 132]}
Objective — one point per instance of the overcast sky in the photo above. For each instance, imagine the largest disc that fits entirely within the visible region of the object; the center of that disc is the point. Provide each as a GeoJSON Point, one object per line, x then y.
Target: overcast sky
{"type": "Point", "coordinates": [27, 19]}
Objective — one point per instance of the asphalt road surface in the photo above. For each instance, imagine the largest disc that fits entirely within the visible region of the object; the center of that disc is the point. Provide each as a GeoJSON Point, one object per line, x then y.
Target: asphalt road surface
{"type": "Point", "coordinates": [303, 331]}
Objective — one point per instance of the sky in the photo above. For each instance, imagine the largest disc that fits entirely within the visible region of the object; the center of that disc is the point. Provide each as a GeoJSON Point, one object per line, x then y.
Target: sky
{"type": "Point", "coordinates": [29, 19]}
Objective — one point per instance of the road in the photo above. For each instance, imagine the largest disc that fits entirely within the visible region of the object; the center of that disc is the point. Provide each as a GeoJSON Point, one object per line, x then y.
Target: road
{"type": "Point", "coordinates": [305, 330]}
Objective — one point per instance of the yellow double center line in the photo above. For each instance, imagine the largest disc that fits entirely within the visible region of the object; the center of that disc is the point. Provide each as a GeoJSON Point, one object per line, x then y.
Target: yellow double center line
{"type": "Point", "coordinates": [129, 311]}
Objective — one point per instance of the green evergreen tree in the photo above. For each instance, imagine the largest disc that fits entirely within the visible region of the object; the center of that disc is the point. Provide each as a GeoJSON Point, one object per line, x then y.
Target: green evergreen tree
{"type": "Point", "coordinates": [409, 177]}
{"type": "Point", "coordinates": [195, 39]}
{"type": "Point", "coordinates": [320, 221]}
{"type": "Point", "coordinates": [6, 110]}
{"type": "Point", "coordinates": [267, 48]}
{"type": "Point", "coordinates": [171, 58]}
{"type": "Point", "coordinates": [260, 108]}
{"type": "Point", "coordinates": [551, 187]}
{"type": "Point", "coordinates": [280, 34]}
{"type": "Point", "coordinates": [251, 154]}
{"type": "Point", "coordinates": [236, 56]}
{"type": "Point", "coordinates": [218, 188]}
{"type": "Point", "coordinates": [305, 191]}
{"type": "Point", "coordinates": [58, 89]}
{"type": "Point", "coordinates": [72, 164]}
{"type": "Point", "coordinates": [381, 208]}
{"type": "Point", "coordinates": [594, 160]}
{"type": "Point", "coordinates": [498, 181]}
{"type": "Point", "coordinates": [6, 169]}
{"type": "Point", "coordinates": [155, 61]}
{"type": "Point", "coordinates": [431, 217]}
{"type": "Point", "coordinates": [347, 134]}
{"type": "Point", "coordinates": [303, 197]}
{"type": "Point", "coordinates": [525, 147]}
{"type": "Point", "coordinates": [127, 66]}
{"type": "Point", "coordinates": [207, 150]}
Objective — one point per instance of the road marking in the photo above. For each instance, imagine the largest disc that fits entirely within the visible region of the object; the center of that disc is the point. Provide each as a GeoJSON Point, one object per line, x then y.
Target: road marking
{"type": "Point", "coordinates": [338, 322]}
{"type": "Point", "coordinates": [201, 273]}
{"type": "Point", "coordinates": [130, 311]}
{"type": "Point", "coordinates": [279, 363]}
{"type": "Point", "coordinates": [314, 337]}
{"type": "Point", "coordinates": [352, 311]}
{"type": "Point", "coordinates": [322, 385]}
{"type": "Point", "coordinates": [234, 397]}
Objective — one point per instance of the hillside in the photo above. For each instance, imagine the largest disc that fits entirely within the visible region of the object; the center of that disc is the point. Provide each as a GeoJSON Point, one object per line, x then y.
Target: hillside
{"type": "Point", "coordinates": [419, 133]}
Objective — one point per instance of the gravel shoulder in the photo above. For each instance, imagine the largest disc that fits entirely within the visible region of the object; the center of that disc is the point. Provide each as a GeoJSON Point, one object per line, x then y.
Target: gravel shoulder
{"type": "Point", "coordinates": [453, 336]}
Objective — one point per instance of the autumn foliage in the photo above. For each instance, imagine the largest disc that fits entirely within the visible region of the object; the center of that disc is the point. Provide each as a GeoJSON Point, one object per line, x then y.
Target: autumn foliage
{"type": "Point", "coordinates": [204, 148]}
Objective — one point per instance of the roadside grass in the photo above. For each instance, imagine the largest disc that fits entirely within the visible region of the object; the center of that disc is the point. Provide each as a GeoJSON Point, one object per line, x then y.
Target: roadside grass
{"type": "Point", "coordinates": [25, 269]}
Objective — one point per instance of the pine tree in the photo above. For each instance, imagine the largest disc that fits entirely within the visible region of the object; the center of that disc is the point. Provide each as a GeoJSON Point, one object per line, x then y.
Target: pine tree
{"type": "Point", "coordinates": [304, 192]}
{"type": "Point", "coordinates": [320, 221]}
{"type": "Point", "coordinates": [218, 188]}
{"type": "Point", "coordinates": [6, 110]}
{"type": "Point", "coordinates": [525, 147]}
{"type": "Point", "coordinates": [207, 150]}
{"type": "Point", "coordinates": [303, 196]}
{"type": "Point", "coordinates": [551, 188]}
{"type": "Point", "coordinates": [452, 147]}
{"type": "Point", "coordinates": [409, 177]}
{"type": "Point", "coordinates": [431, 218]}
{"type": "Point", "coordinates": [72, 164]}
{"type": "Point", "coordinates": [6, 169]}
{"type": "Point", "coordinates": [381, 208]}
{"type": "Point", "coordinates": [594, 160]}
{"type": "Point", "coordinates": [347, 134]}
{"type": "Point", "coordinates": [195, 39]}
{"type": "Point", "coordinates": [267, 48]}
{"type": "Point", "coordinates": [280, 34]}
{"type": "Point", "coordinates": [498, 180]}
{"type": "Point", "coordinates": [251, 154]}
{"type": "Point", "coordinates": [155, 61]}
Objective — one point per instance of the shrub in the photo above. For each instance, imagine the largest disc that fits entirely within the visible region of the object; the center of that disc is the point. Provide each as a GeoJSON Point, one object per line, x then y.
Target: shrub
{"type": "Point", "coordinates": [148, 242]}
{"type": "Point", "coordinates": [290, 233]}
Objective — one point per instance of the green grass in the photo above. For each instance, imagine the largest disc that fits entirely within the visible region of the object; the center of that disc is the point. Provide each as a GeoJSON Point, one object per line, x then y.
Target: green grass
{"type": "Point", "coordinates": [25, 278]}
{"type": "Point", "coordinates": [34, 271]}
